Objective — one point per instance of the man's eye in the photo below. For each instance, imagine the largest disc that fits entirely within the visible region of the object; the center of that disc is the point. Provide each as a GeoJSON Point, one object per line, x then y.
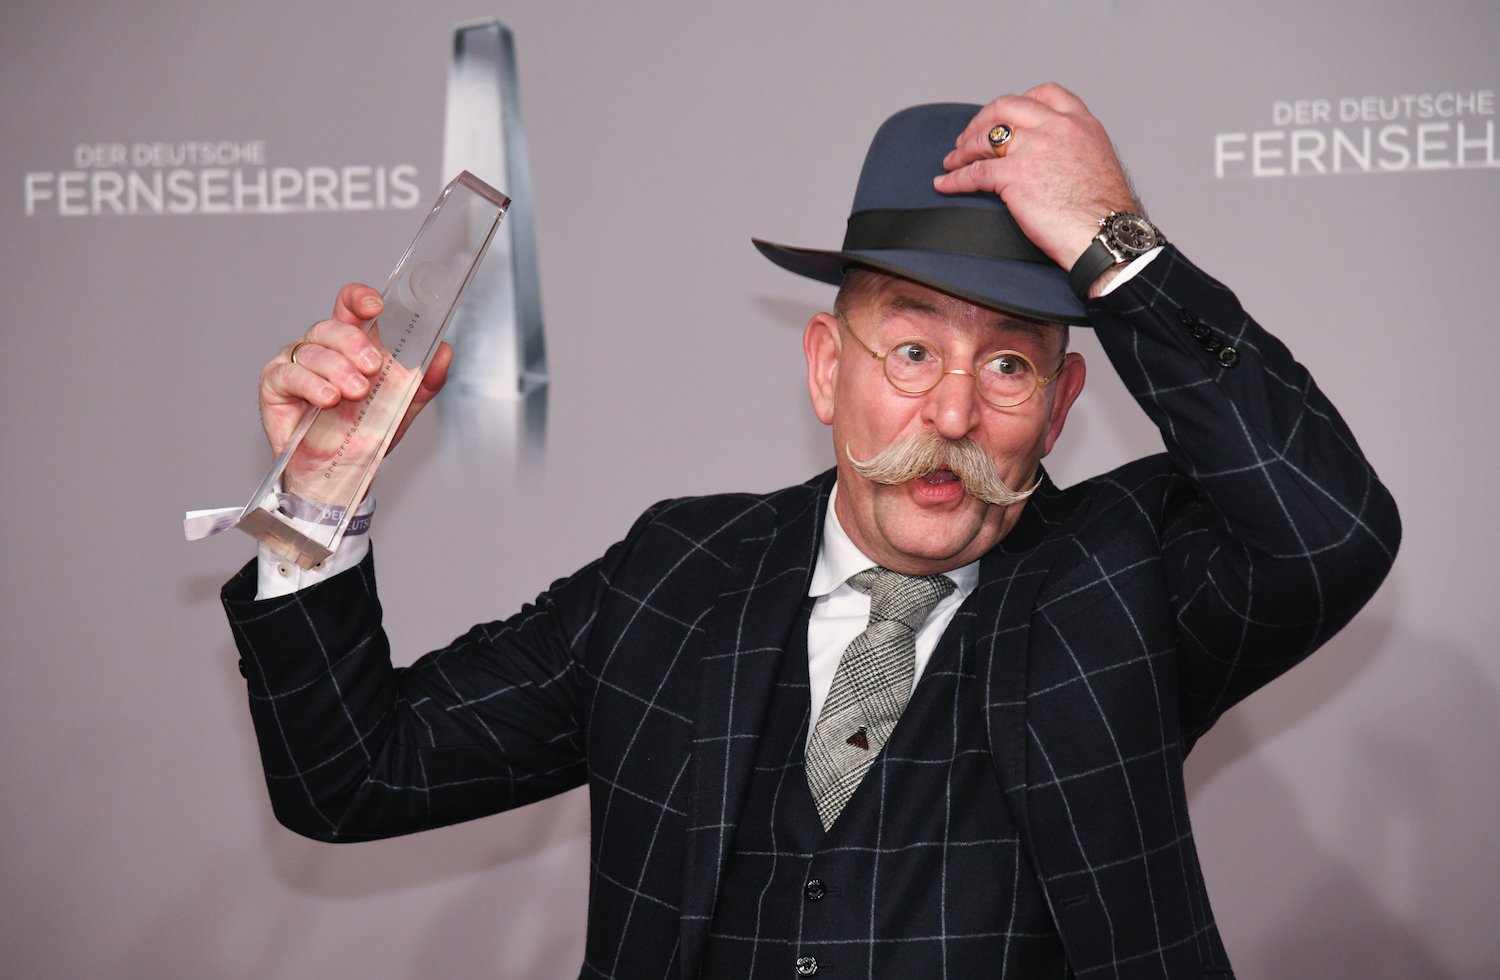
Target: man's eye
{"type": "Point", "coordinates": [1007, 366]}
{"type": "Point", "coordinates": [912, 352]}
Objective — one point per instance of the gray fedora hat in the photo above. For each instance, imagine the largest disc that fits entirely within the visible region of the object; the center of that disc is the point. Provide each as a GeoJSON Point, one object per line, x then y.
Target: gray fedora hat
{"type": "Point", "coordinates": [964, 244]}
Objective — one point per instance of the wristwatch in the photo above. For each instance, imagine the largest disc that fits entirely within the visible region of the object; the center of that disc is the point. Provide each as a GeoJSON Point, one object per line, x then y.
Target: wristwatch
{"type": "Point", "coordinates": [1122, 237]}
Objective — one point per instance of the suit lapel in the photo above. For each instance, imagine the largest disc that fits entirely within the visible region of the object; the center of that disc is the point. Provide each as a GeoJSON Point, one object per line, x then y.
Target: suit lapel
{"type": "Point", "coordinates": [739, 654]}
{"type": "Point", "coordinates": [1010, 578]}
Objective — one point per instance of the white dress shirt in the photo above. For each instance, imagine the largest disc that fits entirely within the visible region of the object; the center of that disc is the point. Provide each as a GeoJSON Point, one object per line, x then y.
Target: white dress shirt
{"type": "Point", "coordinates": [841, 612]}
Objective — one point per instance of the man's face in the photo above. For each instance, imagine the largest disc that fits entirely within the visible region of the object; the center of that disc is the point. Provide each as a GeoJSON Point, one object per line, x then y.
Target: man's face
{"type": "Point", "coordinates": [930, 524]}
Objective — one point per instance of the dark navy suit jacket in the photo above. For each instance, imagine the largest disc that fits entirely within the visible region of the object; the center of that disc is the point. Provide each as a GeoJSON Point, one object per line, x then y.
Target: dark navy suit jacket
{"type": "Point", "coordinates": [1117, 621]}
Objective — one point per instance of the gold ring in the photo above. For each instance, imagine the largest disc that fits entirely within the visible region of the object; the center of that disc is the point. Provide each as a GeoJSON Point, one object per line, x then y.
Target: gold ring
{"type": "Point", "coordinates": [999, 137]}
{"type": "Point", "coordinates": [296, 347]}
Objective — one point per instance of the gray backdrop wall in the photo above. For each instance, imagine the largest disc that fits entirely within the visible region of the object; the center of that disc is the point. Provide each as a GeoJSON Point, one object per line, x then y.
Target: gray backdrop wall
{"type": "Point", "coordinates": [1346, 814]}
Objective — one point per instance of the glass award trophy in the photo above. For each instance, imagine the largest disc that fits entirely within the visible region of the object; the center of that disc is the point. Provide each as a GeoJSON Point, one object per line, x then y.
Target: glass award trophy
{"type": "Point", "coordinates": [303, 507]}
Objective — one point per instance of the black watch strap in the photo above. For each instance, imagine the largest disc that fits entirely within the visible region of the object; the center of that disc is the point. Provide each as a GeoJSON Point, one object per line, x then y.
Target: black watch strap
{"type": "Point", "coordinates": [1089, 267]}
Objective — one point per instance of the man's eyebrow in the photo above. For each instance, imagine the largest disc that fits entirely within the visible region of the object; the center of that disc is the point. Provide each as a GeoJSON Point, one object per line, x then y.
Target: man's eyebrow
{"type": "Point", "coordinates": [895, 306]}
{"type": "Point", "coordinates": [1036, 330]}
{"type": "Point", "coordinates": [906, 304]}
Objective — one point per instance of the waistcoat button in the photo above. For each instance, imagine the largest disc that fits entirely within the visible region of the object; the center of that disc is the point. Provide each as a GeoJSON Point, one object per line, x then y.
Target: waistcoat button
{"type": "Point", "coordinates": [815, 889]}
{"type": "Point", "coordinates": [806, 966]}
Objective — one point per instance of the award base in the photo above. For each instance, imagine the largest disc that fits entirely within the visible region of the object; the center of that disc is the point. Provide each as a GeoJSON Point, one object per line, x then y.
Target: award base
{"type": "Point", "coordinates": [302, 508]}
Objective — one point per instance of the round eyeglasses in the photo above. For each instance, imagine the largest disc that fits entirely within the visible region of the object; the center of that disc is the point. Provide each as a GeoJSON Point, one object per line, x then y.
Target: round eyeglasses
{"type": "Point", "coordinates": [914, 366]}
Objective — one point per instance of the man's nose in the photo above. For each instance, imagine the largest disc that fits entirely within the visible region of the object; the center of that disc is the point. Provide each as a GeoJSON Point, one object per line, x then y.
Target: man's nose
{"type": "Point", "coordinates": [953, 405]}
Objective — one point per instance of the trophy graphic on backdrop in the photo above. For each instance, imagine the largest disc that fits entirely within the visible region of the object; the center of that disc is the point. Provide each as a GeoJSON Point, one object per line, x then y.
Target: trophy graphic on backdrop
{"type": "Point", "coordinates": [497, 388]}
{"type": "Point", "coordinates": [333, 454]}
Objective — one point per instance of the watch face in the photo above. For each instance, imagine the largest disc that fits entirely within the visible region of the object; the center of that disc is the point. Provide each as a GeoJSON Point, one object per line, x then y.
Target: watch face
{"type": "Point", "coordinates": [1132, 234]}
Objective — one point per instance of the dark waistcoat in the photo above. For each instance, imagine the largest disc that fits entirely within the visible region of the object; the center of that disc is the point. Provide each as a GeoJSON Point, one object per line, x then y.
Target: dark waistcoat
{"type": "Point", "coordinates": [922, 875]}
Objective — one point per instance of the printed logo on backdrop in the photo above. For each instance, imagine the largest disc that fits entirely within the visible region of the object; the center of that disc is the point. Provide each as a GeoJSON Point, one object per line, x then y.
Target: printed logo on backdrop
{"type": "Point", "coordinates": [1365, 134]}
{"type": "Point", "coordinates": [498, 386]}
{"type": "Point", "coordinates": [209, 177]}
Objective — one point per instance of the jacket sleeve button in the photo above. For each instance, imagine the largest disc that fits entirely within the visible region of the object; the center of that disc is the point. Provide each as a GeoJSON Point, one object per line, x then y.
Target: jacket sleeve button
{"type": "Point", "coordinates": [1228, 357]}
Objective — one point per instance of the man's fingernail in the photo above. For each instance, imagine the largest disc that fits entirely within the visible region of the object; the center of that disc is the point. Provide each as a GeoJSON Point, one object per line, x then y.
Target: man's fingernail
{"type": "Point", "coordinates": [369, 360]}
{"type": "Point", "coordinates": [370, 302]}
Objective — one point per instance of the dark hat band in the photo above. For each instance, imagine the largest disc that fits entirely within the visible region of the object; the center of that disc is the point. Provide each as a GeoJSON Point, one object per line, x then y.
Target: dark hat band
{"type": "Point", "coordinates": [966, 230]}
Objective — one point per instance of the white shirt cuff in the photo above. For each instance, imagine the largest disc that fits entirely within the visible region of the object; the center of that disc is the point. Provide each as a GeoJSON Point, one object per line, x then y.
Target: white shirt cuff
{"type": "Point", "coordinates": [1129, 272]}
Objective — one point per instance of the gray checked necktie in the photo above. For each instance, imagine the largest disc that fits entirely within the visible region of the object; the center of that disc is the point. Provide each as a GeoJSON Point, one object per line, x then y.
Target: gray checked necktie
{"type": "Point", "coordinates": [871, 685]}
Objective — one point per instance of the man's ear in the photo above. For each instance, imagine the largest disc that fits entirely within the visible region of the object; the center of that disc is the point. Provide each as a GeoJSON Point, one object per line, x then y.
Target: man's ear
{"type": "Point", "coordinates": [1065, 390]}
{"type": "Point", "coordinates": [821, 342]}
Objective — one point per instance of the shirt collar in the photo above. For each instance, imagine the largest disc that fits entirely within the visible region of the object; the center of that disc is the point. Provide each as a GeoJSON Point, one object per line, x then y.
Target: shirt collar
{"type": "Point", "coordinates": [839, 558]}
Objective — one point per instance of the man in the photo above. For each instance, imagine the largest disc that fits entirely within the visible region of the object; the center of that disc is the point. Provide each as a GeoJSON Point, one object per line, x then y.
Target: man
{"type": "Point", "coordinates": [800, 765]}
